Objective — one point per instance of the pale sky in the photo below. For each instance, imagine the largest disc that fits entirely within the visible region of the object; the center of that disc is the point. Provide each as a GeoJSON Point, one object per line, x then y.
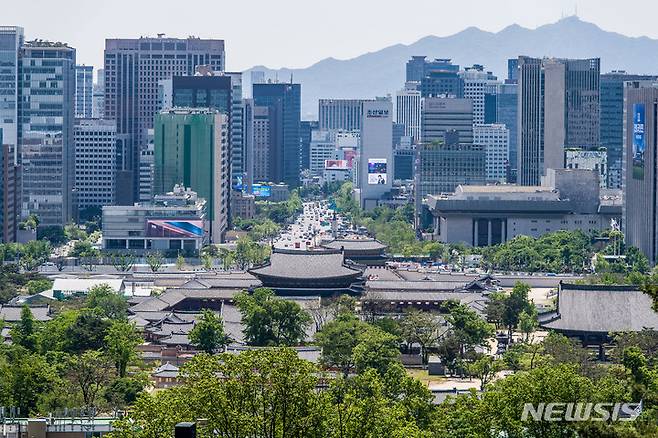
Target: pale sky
{"type": "Point", "coordinates": [298, 33]}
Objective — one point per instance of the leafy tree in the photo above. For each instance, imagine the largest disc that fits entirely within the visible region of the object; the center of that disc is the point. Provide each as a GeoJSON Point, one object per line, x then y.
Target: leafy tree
{"type": "Point", "coordinates": [24, 332]}
{"type": "Point", "coordinates": [514, 304]}
{"type": "Point", "coordinates": [121, 342]}
{"type": "Point", "coordinates": [376, 349]}
{"type": "Point", "coordinates": [271, 321]}
{"type": "Point", "coordinates": [422, 328]}
{"type": "Point", "coordinates": [26, 378]}
{"type": "Point", "coordinates": [207, 262]}
{"type": "Point", "coordinates": [86, 332]}
{"type": "Point", "coordinates": [180, 262]}
{"type": "Point", "coordinates": [122, 392]}
{"type": "Point", "coordinates": [123, 262]}
{"type": "Point", "coordinates": [208, 333]}
{"type": "Point", "coordinates": [528, 323]}
{"type": "Point", "coordinates": [39, 285]}
{"type": "Point", "coordinates": [468, 328]}
{"type": "Point", "coordinates": [485, 369]}
{"type": "Point", "coordinates": [338, 339]}
{"type": "Point", "coordinates": [154, 260]}
{"type": "Point", "coordinates": [89, 372]}
{"type": "Point", "coordinates": [74, 232]}
{"type": "Point", "coordinates": [108, 301]}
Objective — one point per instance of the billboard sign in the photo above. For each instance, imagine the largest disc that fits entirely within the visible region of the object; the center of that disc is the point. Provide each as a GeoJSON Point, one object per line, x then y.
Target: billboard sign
{"type": "Point", "coordinates": [336, 164]}
{"type": "Point", "coordinates": [639, 140]}
{"type": "Point", "coordinates": [377, 171]}
{"type": "Point", "coordinates": [261, 190]}
{"type": "Point", "coordinates": [174, 228]}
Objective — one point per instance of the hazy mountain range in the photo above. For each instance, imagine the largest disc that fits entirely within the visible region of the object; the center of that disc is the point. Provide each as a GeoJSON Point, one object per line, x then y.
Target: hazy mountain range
{"type": "Point", "coordinates": [383, 72]}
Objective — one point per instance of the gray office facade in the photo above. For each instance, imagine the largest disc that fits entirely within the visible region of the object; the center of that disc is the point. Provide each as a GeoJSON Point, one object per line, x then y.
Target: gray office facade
{"type": "Point", "coordinates": [46, 115]}
{"type": "Point", "coordinates": [84, 91]}
{"type": "Point", "coordinates": [443, 114]}
{"type": "Point", "coordinates": [133, 68]}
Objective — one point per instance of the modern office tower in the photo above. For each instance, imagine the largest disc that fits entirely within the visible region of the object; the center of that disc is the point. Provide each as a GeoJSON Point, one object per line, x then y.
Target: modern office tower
{"type": "Point", "coordinates": [284, 110]}
{"type": "Point", "coordinates": [442, 83]}
{"type": "Point", "coordinates": [476, 83]}
{"type": "Point", "coordinates": [133, 68]}
{"type": "Point", "coordinates": [442, 114]}
{"type": "Point", "coordinates": [588, 160]}
{"type": "Point", "coordinates": [95, 162]}
{"type": "Point", "coordinates": [306, 127]}
{"type": "Point", "coordinates": [512, 71]}
{"type": "Point", "coordinates": [418, 67]}
{"type": "Point", "coordinates": [398, 134]}
{"type": "Point", "coordinates": [146, 170]}
{"type": "Point", "coordinates": [192, 149]}
{"type": "Point", "coordinates": [98, 96]}
{"type": "Point", "coordinates": [84, 86]}
{"type": "Point", "coordinates": [262, 140]}
{"type": "Point", "coordinates": [10, 193]}
{"type": "Point", "coordinates": [495, 141]}
{"type": "Point", "coordinates": [215, 90]}
{"type": "Point", "coordinates": [558, 109]}
{"type": "Point", "coordinates": [323, 147]}
{"type": "Point", "coordinates": [376, 160]}
{"type": "Point", "coordinates": [408, 107]}
{"type": "Point", "coordinates": [340, 114]}
{"type": "Point", "coordinates": [47, 78]}
{"type": "Point", "coordinates": [443, 165]}
{"type": "Point", "coordinates": [639, 177]}
{"type": "Point", "coordinates": [501, 107]}
{"type": "Point", "coordinates": [403, 164]}
{"type": "Point", "coordinates": [11, 41]}
{"type": "Point", "coordinates": [612, 120]}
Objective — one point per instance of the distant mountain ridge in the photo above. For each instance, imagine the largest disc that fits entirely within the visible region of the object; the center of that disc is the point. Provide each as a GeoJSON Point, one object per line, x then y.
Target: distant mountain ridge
{"type": "Point", "coordinates": [383, 72]}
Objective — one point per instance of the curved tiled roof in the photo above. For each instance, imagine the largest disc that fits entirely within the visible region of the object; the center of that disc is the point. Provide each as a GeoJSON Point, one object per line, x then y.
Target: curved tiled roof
{"type": "Point", "coordinates": [601, 309]}
{"type": "Point", "coordinates": [306, 265]}
{"type": "Point", "coordinates": [355, 244]}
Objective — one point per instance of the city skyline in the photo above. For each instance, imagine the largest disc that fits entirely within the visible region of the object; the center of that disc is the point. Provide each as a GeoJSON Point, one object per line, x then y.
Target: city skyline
{"type": "Point", "coordinates": [247, 47]}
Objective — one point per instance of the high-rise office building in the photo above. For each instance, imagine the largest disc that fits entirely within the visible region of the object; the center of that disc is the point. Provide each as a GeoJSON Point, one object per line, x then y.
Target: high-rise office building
{"type": "Point", "coordinates": [612, 120]}
{"type": "Point", "coordinates": [512, 71]}
{"type": "Point", "coordinates": [192, 149]}
{"type": "Point", "coordinates": [418, 67]}
{"type": "Point", "coordinates": [133, 68]}
{"type": "Point", "coordinates": [442, 114]}
{"type": "Point", "coordinates": [84, 90]}
{"type": "Point", "coordinates": [95, 162]}
{"type": "Point", "coordinates": [439, 83]}
{"type": "Point", "coordinates": [476, 83]}
{"type": "Point", "coordinates": [11, 41]}
{"type": "Point", "coordinates": [501, 107]}
{"type": "Point", "coordinates": [46, 114]}
{"type": "Point", "coordinates": [306, 127]}
{"type": "Point", "coordinates": [146, 170]}
{"type": "Point", "coordinates": [283, 102]}
{"type": "Point", "coordinates": [639, 177]}
{"type": "Point", "coordinates": [257, 143]}
{"type": "Point", "coordinates": [340, 114]}
{"type": "Point", "coordinates": [494, 139]}
{"type": "Point", "coordinates": [323, 147]}
{"type": "Point", "coordinates": [98, 95]}
{"type": "Point", "coordinates": [445, 164]}
{"type": "Point", "coordinates": [558, 109]}
{"type": "Point", "coordinates": [375, 170]}
{"type": "Point", "coordinates": [408, 107]}
{"type": "Point", "coordinates": [10, 193]}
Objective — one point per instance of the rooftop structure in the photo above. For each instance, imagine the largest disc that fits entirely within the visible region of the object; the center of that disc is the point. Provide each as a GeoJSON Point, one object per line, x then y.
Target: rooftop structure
{"type": "Point", "coordinates": [362, 251]}
{"type": "Point", "coordinates": [301, 272]}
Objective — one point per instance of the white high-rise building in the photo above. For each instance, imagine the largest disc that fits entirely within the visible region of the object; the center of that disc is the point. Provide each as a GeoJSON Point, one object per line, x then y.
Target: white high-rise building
{"type": "Point", "coordinates": [476, 83]}
{"type": "Point", "coordinates": [376, 159]}
{"type": "Point", "coordinates": [408, 106]}
{"type": "Point", "coordinates": [84, 86]}
{"type": "Point", "coordinates": [495, 140]}
{"type": "Point", "coordinates": [95, 161]}
{"type": "Point", "coordinates": [323, 147]}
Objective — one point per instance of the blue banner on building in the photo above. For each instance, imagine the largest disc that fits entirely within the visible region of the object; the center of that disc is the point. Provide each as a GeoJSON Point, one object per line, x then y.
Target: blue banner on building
{"type": "Point", "coordinates": [639, 140]}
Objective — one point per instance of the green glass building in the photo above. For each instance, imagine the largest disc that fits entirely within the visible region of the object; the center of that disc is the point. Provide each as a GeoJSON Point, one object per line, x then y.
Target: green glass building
{"type": "Point", "coordinates": [191, 148]}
